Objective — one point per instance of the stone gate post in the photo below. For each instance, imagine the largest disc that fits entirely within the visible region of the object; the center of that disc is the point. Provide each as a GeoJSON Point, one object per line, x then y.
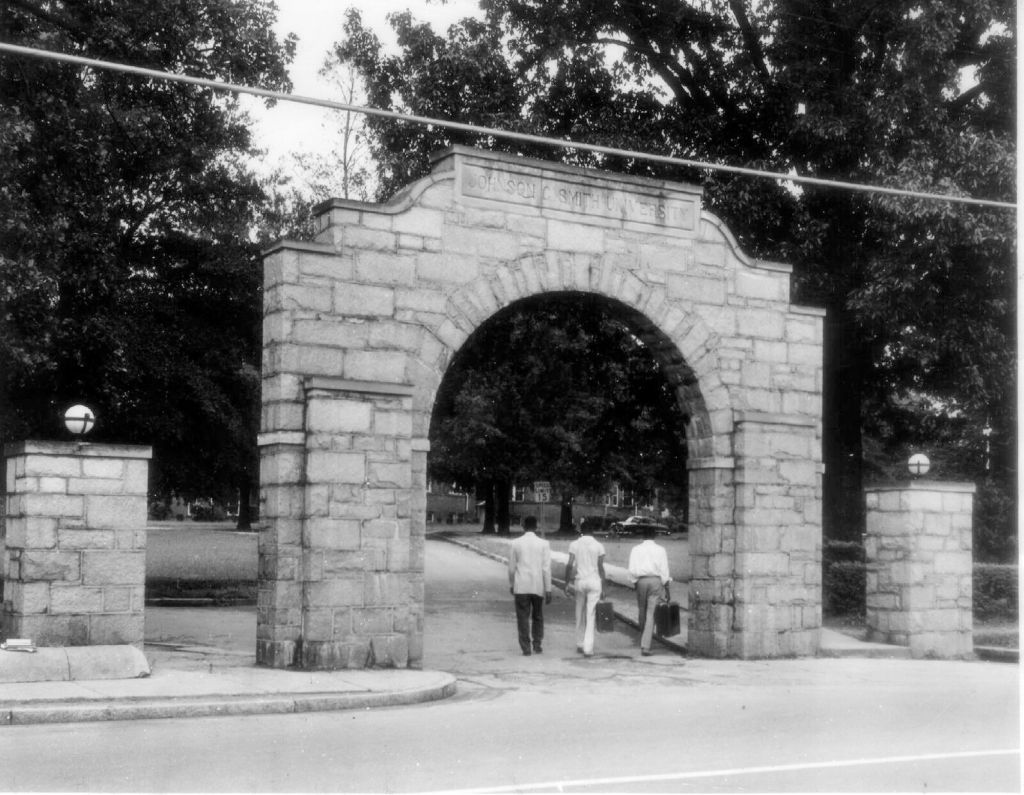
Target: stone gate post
{"type": "Point", "coordinates": [341, 582]}
{"type": "Point", "coordinates": [778, 536]}
{"type": "Point", "coordinates": [919, 567]}
{"type": "Point", "coordinates": [712, 556]}
{"type": "Point", "coordinates": [75, 550]}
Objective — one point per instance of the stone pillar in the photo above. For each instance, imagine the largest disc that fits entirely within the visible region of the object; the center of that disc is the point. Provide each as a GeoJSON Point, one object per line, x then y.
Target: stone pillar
{"type": "Point", "coordinates": [712, 556]}
{"type": "Point", "coordinates": [279, 596]}
{"type": "Point", "coordinates": [778, 537]}
{"type": "Point", "coordinates": [341, 568]}
{"type": "Point", "coordinates": [75, 556]}
{"type": "Point", "coordinates": [919, 567]}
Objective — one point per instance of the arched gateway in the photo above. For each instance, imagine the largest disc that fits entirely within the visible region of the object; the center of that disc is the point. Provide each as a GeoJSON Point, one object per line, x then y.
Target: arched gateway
{"type": "Point", "coordinates": [360, 326]}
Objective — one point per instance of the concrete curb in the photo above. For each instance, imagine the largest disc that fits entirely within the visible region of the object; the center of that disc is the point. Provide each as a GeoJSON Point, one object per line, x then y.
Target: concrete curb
{"type": "Point", "coordinates": [997, 654]}
{"type": "Point", "coordinates": [213, 705]}
{"type": "Point", "coordinates": [867, 651]}
{"type": "Point", "coordinates": [198, 601]}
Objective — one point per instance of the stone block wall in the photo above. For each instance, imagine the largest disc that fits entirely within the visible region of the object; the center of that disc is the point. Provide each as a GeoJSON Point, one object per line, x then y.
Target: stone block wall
{"type": "Point", "coordinates": [778, 536]}
{"type": "Point", "coordinates": [341, 568]}
{"type": "Point", "coordinates": [919, 567]}
{"type": "Point", "coordinates": [388, 294]}
{"type": "Point", "coordinates": [75, 544]}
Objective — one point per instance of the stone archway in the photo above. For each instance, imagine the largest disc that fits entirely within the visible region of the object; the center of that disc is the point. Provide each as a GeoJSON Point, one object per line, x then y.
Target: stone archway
{"type": "Point", "coordinates": [360, 326]}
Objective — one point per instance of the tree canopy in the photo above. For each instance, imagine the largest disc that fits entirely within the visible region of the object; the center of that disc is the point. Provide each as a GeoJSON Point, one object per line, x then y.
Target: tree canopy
{"type": "Point", "coordinates": [920, 294]}
{"type": "Point", "coordinates": [559, 389]}
{"type": "Point", "coordinates": [129, 275]}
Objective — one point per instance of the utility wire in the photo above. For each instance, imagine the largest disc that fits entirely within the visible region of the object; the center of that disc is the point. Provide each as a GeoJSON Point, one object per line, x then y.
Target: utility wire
{"type": "Point", "coordinates": [218, 85]}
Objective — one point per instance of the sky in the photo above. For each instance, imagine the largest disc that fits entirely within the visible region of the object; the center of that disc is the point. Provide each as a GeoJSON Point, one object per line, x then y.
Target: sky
{"type": "Point", "coordinates": [290, 127]}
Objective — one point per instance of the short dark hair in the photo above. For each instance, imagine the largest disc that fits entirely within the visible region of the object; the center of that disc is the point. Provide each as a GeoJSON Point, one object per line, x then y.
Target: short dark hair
{"type": "Point", "coordinates": [530, 523]}
{"type": "Point", "coordinates": [649, 532]}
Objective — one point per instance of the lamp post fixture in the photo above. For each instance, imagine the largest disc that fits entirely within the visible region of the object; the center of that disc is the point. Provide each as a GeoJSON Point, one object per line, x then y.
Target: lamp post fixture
{"type": "Point", "coordinates": [79, 420]}
{"type": "Point", "coordinates": [918, 464]}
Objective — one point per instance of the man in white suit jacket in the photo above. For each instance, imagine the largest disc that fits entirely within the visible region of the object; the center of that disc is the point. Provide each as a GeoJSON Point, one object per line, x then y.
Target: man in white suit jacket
{"type": "Point", "coordinates": [529, 579]}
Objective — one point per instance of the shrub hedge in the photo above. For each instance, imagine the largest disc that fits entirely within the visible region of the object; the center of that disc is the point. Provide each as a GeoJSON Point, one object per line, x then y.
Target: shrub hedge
{"type": "Point", "coordinates": [843, 588]}
{"type": "Point", "coordinates": [995, 589]}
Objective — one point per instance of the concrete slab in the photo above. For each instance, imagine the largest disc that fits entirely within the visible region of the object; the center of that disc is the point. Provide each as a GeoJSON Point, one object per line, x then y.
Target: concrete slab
{"type": "Point", "coordinates": [69, 663]}
{"type": "Point", "coordinates": [42, 665]}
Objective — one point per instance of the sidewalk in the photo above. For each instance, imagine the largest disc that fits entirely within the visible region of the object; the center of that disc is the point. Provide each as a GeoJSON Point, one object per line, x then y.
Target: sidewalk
{"type": "Point", "coordinates": [202, 663]}
{"type": "Point", "coordinates": [833, 644]}
{"type": "Point", "coordinates": [198, 681]}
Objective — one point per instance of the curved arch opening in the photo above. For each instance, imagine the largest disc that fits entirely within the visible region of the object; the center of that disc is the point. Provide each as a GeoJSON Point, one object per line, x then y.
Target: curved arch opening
{"type": "Point", "coordinates": [572, 390]}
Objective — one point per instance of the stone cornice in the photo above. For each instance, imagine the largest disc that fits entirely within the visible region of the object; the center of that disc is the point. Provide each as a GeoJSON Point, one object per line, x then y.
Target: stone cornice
{"type": "Point", "coordinates": [328, 384]}
{"type": "Point", "coordinates": [78, 449]}
{"type": "Point", "coordinates": [459, 152]}
{"type": "Point", "coordinates": [285, 244]}
{"type": "Point", "coordinates": [926, 485]}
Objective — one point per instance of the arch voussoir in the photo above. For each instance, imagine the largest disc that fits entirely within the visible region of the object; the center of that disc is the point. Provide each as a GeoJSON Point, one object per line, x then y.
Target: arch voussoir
{"type": "Point", "coordinates": [531, 269]}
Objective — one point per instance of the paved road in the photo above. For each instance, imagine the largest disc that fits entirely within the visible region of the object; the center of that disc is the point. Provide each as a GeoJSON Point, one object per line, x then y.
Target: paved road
{"type": "Point", "coordinates": [616, 722]}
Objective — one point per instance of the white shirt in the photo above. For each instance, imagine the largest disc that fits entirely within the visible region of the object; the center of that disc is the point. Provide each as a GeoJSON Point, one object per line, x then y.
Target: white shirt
{"type": "Point", "coordinates": [648, 559]}
{"type": "Point", "coordinates": [529, 565]}
{"type": "Point", "coordinates": [586, 551]}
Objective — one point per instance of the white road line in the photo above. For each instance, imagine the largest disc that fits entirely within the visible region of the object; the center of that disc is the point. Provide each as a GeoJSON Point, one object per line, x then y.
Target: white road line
{"type": "Point", "coordinates": [736, 771]}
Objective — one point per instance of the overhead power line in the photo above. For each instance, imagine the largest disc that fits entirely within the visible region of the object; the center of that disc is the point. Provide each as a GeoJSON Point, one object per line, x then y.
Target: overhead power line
{"type": "Point", "coordinates": [218, 85]}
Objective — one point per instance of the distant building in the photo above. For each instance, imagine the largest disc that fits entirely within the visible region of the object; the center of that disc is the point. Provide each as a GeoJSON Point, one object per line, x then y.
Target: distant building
{"type": "Point", "coordinates": [446, 504]}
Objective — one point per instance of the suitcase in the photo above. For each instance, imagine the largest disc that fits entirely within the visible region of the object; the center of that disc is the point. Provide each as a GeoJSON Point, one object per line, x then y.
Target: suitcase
{"type": "Point", "coordinates": [604, 618]}
{"type": "Point", "coordinates": [666, 619]}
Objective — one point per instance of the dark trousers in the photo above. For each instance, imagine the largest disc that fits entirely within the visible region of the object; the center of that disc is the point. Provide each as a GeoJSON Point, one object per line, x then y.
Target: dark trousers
{"type": "Point", "coordinates": [648, 591]}
{"type": "Point", "coordinates": [530, 615]}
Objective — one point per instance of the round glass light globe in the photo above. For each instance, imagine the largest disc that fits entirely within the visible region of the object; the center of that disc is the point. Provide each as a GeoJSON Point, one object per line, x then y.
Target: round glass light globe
{"type": "Point", "coordinates": [79, 420]}
{"type": "Point", "coordinates": [918, 464]}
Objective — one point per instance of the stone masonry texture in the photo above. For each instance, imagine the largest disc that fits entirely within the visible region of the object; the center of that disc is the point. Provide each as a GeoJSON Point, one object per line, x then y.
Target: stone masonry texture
{"type": "Point", "coordinates": [75, 546]}
{"type": "Point", "coordinates": [360, 326]}
{"type": "Point", "coordinates": [919, 567]}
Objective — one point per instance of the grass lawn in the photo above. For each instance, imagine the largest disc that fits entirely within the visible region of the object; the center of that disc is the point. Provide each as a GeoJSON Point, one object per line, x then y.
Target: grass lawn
{"type": "Point", "coordinates": [200, 551]}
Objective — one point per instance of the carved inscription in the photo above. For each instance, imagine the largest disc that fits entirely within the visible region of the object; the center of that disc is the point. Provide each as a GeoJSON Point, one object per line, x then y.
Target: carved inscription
{"type": "Point", "coordinates": [552, 193]}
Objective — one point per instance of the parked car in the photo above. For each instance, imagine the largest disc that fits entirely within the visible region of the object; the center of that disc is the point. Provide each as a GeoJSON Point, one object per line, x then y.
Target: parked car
{"type": "Point", "coordinates": [598, 525]}
{"type": "Point", "coordinates": [638, 525]}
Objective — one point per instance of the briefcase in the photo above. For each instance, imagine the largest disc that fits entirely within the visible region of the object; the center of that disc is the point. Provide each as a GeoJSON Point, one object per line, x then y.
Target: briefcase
{"type": "Point", "coordinates": [605, 617]}
{"type": "Point", "coordinates": [666, 619]}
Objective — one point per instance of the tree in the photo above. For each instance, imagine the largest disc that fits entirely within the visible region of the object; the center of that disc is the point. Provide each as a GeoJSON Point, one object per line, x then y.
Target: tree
{"type": "Point", "coordinates": [918, 293]}
{"type": "Point", "coordinates": [350, 154]}
{"type": "Point", "coordinates": [464, 77]}
{"type": "Point", "coordinates": [557, 389]}
{"type": "Point", "coordinates": [129, 276]}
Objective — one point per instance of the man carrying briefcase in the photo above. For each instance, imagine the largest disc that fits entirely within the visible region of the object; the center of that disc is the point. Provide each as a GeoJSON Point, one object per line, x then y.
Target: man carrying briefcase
{"type": "Point", "coordinates": [648, 570]}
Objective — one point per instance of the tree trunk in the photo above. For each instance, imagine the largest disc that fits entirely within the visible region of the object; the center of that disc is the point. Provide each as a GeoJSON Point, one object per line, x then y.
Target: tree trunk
{"type": "Point", "coordinates": [486, 488]}
{"type": "Point", "coordinates": [244, 498]}
{"type": "Point", "coordinates": [846, 357]}
{"type": "Point", "coordinates": [501, 500]}
{"type": "Point", "coordinates": [565, 514]}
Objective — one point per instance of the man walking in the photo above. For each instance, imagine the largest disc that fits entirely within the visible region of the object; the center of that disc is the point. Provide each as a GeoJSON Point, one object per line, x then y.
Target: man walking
{"type": "Point", "coordinates": [529, 579]}
{"type": "Point", "coordinates": [586, 564]}
{"type": "Point", "coordinates": [648, 571]}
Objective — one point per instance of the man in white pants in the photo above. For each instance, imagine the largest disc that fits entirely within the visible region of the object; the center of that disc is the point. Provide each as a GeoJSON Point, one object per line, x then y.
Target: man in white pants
{"type": "Point", "coordinates": [585, 572]}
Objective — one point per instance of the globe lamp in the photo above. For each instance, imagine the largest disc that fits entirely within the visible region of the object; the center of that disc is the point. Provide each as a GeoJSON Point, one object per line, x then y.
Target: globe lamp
{"type": "Point", "coordinates": [79, 420]}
